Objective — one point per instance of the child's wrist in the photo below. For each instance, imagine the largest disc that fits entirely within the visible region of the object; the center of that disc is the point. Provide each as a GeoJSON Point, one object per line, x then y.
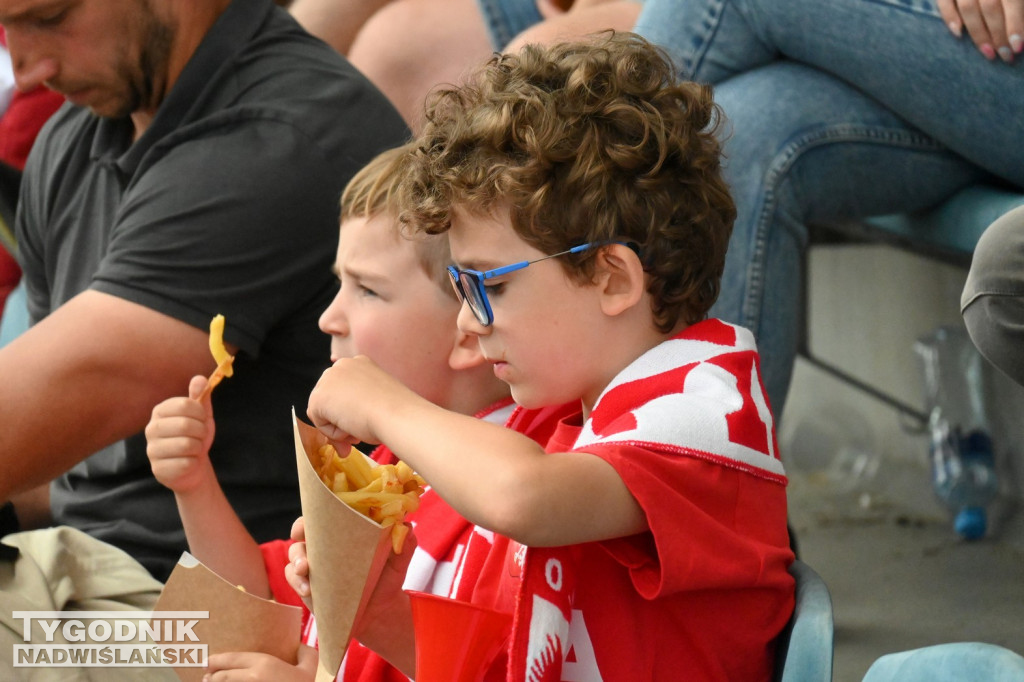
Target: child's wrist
{"type": "Point", "coordinates": [200, 483]}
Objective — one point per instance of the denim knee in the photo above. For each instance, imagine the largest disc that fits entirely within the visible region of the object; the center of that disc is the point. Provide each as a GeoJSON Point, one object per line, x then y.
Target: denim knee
{"type": "Point", "coordinates": [505, 19]}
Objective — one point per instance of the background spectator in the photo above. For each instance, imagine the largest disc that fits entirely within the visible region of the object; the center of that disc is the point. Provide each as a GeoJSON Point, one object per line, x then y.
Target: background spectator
{"type": "Point", "coordinates": [198, 173]}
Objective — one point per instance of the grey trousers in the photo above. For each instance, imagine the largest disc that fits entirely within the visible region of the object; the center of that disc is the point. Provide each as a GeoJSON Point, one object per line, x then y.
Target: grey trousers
{"type": "Point", "coordinates": [992, 303]}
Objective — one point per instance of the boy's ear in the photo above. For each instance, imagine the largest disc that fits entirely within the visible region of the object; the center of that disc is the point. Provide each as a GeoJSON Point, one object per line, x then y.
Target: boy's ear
{"type": "Point", "coordinates": [620, 276]}
{"type": "Point", "coordinates": [466, 353]}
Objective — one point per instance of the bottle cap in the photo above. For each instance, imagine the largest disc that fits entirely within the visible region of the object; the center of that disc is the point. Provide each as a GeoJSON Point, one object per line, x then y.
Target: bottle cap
{"type": "Point", "coordinates": [970, 523]}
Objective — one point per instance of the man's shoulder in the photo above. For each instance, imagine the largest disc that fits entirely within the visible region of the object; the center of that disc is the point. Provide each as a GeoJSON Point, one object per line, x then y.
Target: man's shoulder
{"type": "Point", "coordinates": [62, 148]}
{"type": "Point", "coordinates": [291, 88]}
{"type": "Point", "coordinates": [283, 63]}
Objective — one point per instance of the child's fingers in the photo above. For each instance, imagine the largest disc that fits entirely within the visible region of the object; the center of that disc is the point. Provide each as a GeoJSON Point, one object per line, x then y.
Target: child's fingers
{"type": "Point", "coordinates": [173, 407]}
{"type": "Point", "coordinates": [340, 439]}
{"type": "Point", "coordinates": [299, 583]}
{"type": "Point", "coordinates": [174, 447]}
{"type": "Point", "coordinates": [171, 470]}
{"type": "Point", "coordinates": [247, 666]}
{"type": "Point", "coordinates": [308, 657]}
{"type": "Point", "coordinates": [295, 573]}
{"type": "Point", "coordinates": [298, 533]}
{"type": "Point", "coordinates": [241, 665]}
{"type": "Point", "coordinates": [297, 551]}
{"type": "Point", "coordinates": [196, 386]}
{"type": "Point", "coordinates": [174, 434]}
{"type": "Point", "coordinates": [297, 570]}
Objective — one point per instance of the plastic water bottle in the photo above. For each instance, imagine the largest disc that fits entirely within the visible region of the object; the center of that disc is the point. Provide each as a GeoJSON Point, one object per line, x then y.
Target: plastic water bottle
{"type": "Point", "coordinates": [961, 452]}
{"type": "Point", "coordinates": [963, 474]}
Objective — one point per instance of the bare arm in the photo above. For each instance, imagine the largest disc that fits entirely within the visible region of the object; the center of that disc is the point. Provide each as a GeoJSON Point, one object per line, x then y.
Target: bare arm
{"type": "Point", "coordinates": [85, 377]}
{"type": "Point", "coordinates": [178, 439]}
{"type": "Point", "coordinates": [217, 537]}
{"type": "Point", "coordinates": [33, 507]}
{"type": "Point", "coordinates": [494, 477]}
{"type": "Point", "coordinates": [336, 22]}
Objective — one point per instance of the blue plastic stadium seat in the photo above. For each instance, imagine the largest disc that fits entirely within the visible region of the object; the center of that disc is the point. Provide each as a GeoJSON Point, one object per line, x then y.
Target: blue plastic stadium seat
{"type": "Point", "coordinates": [954, 226]}
{"type": "Point", "coordinates": [804, 650]}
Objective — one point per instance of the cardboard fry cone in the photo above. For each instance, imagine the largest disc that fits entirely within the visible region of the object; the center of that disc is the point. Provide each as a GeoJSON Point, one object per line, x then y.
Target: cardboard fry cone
{"type": "Point", "coordinates": [238, 621]}
{"type": "Point", "coordinates": [346, 552]}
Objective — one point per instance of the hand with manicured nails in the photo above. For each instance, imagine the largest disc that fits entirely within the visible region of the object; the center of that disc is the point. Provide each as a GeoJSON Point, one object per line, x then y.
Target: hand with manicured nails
{"type": "Point", "coordinates": [997, 27]}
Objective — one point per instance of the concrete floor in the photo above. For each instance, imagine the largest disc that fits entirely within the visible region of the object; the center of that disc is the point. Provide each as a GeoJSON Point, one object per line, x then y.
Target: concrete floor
{"type": "Point", "coordinates": [902, 580]}
{"type": "Point", "coordinates": [861, 500]}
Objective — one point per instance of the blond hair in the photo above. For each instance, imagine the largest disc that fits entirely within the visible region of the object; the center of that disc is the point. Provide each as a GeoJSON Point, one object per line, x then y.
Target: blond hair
{"type": "Point", "coordinates": [372, 191]}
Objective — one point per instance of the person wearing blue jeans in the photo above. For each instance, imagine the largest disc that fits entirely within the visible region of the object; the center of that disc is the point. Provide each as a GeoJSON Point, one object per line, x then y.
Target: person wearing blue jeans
{"type": "Point", "coordinates": [949, 662]}
{"type": "Point", "coordinates": [836, 109]}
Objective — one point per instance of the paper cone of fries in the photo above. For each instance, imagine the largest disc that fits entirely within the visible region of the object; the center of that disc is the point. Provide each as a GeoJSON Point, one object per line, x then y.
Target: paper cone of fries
{"type": "Point", "coordinates": [346, 552]}
{"type": "Point", "coordinates": [238, 621]}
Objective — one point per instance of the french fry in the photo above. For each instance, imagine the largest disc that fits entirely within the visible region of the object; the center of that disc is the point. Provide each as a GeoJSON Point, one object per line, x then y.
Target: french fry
{"type": "Point", "coordinates": [384, 493]}
{"type": "Point", "coordinates": [220, 354]}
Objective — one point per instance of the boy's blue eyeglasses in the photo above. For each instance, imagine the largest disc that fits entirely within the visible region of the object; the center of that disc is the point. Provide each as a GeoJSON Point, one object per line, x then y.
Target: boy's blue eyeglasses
{"type": "Point", "coordinates": [469, 284]}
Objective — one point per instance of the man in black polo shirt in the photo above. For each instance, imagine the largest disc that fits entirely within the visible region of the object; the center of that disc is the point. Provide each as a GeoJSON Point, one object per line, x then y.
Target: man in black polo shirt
{"type": "Point", "coordinates": [195, 170]}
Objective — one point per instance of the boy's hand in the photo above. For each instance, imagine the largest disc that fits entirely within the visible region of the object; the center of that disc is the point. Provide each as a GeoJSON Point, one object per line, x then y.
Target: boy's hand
{"type": "Point", "coordinates": [256, 666]}
{"type": "Point", "coordinates": [297, 570]}
{"type": "Point", "coordinates": [179, 435]}
{"type": "Point", "coordinates": [350, 396]}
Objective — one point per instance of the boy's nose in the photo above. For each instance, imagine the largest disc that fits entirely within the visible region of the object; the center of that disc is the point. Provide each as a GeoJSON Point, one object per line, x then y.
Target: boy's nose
{"type": "Point", "coordinates": [467, 322]}
{"type": "Point", "coordinates": [333, 321]}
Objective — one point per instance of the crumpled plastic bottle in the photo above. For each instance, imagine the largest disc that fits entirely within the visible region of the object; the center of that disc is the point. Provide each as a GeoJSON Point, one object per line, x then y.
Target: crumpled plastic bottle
{"type": "Point", "coordinates": [961, 452]}
{"type": "Point", "coordinates": [963, 474]}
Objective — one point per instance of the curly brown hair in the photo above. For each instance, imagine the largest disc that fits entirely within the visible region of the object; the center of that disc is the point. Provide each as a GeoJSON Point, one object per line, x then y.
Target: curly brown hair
{"type": "Point", "coordinates": [585, 142]}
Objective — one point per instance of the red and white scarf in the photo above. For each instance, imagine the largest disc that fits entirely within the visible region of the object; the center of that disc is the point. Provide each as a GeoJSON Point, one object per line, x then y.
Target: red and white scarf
{"type": "Point", "coordinates": [698, 394]}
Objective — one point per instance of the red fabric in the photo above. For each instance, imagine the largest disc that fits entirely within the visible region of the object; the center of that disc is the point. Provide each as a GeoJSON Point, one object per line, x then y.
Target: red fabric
{"type": "Point", "coordinates": [703, 594]}
{"type": "Point", "coordinates": [10, 274]}
{"type": "Point", "coordinates": [275, 558]}
{"type": "Point", "coordinates": [25, 115]}
{"type": "Point", "coordinates": [19, 126]}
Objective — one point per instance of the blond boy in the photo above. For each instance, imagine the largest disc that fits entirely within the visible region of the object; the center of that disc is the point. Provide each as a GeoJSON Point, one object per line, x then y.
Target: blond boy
{"type": "Point", "coordinates": [394, 304]}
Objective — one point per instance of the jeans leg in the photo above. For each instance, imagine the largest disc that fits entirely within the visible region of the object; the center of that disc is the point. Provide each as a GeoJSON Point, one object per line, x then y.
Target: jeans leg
{"type": "Point", "coordinates": [708, 40]}
{"type": "Point", "coordinates": [505, 19]}
{"type": "Point", "coordinates": [792, 159]}
{"type": "Point", "coordinates": [897, 51]}
{"type": "Point", "coordinates": [949, 663]}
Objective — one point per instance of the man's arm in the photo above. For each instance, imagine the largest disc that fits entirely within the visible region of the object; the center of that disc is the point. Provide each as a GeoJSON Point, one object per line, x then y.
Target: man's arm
{"type": "Point", "coordinates": [32, 507]}
{"type": "Point", "coordinates": [87, 376]}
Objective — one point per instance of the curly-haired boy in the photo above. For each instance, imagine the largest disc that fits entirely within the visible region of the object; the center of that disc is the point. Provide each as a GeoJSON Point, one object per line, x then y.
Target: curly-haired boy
{"type": "Point", "coordinates": [638, 501]}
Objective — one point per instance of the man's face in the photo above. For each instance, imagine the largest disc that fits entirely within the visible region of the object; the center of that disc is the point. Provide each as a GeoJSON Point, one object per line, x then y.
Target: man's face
{"type": "Point", "coordinates": [108, 55]}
